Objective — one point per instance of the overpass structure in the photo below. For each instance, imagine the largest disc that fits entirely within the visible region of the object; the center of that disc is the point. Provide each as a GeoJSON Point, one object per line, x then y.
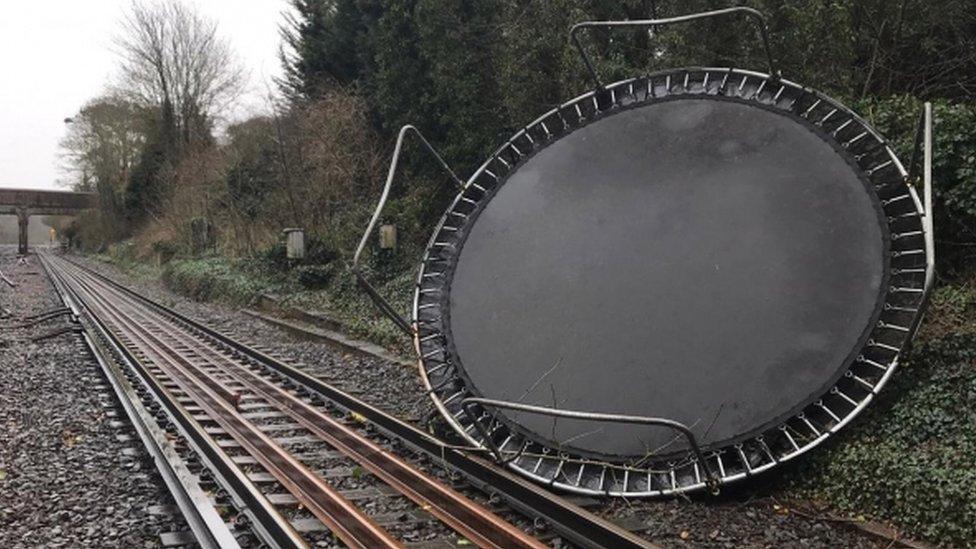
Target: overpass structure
{"type": "Point", "coordinates": [27, 202]}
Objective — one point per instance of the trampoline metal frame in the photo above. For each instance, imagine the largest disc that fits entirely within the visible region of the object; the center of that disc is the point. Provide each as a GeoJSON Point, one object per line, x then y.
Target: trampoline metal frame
{"type": "Point", "coordinates": [912, 282]}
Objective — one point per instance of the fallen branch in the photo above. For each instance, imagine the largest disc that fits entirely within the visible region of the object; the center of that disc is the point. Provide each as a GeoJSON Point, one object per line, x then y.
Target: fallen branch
{"type": "Point", "coordinates": [7, 280]}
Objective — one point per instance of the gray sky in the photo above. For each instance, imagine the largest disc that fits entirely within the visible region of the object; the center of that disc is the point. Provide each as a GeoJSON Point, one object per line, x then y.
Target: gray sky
{"type": "Point", "coordinates": [55, 55]}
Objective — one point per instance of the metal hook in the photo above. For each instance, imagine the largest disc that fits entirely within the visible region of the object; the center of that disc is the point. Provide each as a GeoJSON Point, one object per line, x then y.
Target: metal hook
{"type": "Point", "coordinates": [381, 303]}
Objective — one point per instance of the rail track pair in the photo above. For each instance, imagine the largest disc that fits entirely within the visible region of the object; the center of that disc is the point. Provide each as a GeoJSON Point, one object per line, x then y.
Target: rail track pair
{"type": "Point", "coordinates": [290, 450]}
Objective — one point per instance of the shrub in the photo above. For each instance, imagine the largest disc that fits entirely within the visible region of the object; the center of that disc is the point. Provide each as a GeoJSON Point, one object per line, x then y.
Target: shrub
{"type": "Point", "coordinates": [910, 458]}
{"type": "Point", "coordinates": [954, 168]}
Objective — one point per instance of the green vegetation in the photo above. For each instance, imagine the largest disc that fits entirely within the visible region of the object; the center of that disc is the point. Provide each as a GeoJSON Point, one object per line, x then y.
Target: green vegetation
{"type": "Point", "coordinates": [910, 459]}
{"type": "Point", "coordinates": [208, 210]}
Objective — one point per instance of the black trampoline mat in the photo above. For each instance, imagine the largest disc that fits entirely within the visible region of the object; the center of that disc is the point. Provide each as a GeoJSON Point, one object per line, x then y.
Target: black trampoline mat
{"type": "Point", "coordinates": [699, 259]}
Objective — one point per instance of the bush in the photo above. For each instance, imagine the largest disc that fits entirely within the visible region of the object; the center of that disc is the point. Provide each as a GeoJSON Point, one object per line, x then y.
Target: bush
{"type": "Point", "coordinates": [910, 458]}
{"type": "Point", "coordinates": [210, 278]}
{"type": "Point", "coordinates": [954, 168]}
{"type": "Point", "coordinates": [315, 276]}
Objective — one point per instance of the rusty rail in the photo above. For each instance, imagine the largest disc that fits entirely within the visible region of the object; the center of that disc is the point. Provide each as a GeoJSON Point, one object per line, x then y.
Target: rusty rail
{"type": "Point", "coordinates": [166, 342]}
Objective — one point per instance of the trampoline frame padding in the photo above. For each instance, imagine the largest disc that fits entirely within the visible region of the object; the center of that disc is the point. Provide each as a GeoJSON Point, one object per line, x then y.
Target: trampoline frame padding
{"type": "Point", "coordinates": [908, 268]}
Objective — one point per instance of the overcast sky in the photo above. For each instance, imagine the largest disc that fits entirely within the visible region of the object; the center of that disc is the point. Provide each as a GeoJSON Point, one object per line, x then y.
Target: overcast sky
{"type": "Point", "coordinates": [55, 55]}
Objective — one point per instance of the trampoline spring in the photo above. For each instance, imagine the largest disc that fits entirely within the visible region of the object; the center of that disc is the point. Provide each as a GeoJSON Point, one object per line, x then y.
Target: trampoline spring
{"type": "Point", "coordinates": [471, 426]}
{"type": "Point", "coordinates": [745, 460]}
{"type": "Point", "coordinates": [759, 90]}
{"type": "Point", "coordinates": [789, 437]}
{"type": "Point", "coordinates": [516, 149]}
{"type": "Point", "coordinates": [650, 87]}
{"type": "Point", "coordinates": [855, 139]}
{"type": "Point", "coordinates": [865, 360]}
{"type": "Point", "coordinates": [841, 127]}
{"type": "Point", "coordinates": [667, 83]}
{"type": "Point", "coordinates": [687, 76]}
{"type": "Point", "coordinates": [596, 103]}
{"type": "Point", "coordinates": [579, 475]}
{"type": "Point", "coordinates": [452, 397]}
{"type": "Point", "coordinates": [827, 116]}
{"type": "Point", "coordinates": [803, 418]}
{"type": "Point", "coordinates": [559, 113]}
{"type": "Point", "coordinates": [437, 368]}
{"type": "Point", "coordinates": [705, 82]}
{"type": "Point", "coordinates": [433, 275]}
{"type": "Point", "coordinates": [545, 128]}
{"type": "Point", "coordinates": [882, 324]}
{"type": "Point", "coordinates": [603, 478]}
{"type": "Point", "coordinates": [440, 385]}
{"type": "Point", "coordinates": [899, 253]}
{"type": "Point", "coordinates": [779, 93]}
{"type": "Point", "coordinates": [861, 380]}
{"type": "Point", "coordinates": [896, 236]}
{"type": "Point", "coordinates": [844, 396]}
{"type": "Point", "coordinates": [503, 161]}
{"type": "Point", "coordinates": [479, 187]}
{"type": "Point", "coordinates": [491, 174]}
{"type": "Point", "coordinates": [674, 479]}
{"type": "Point", "coordinates": [725, 80]}
{"type": "Point", "coordinates": [518, 455]}
{"type": "Point", "coordinates": [810, 109]}
{"type": "Point", "coordinates": [873, 343]}
{"type": "Point", "coordinates": [525, 132]}
{"type": "Point", "coordinates": [881, 166]}
{"type": "Point", "coordinates": [892, 200]}
{"type": "Point", "coordinates": [538, 464]}
{"type": "Point", "coordinates": [830, 412]}
{"type": "Point", "coordinates": [721, 465]}
{"type": "Point", "coordinates": [458, 214]}
{"type": "Point", "coordinates": [762, 442]}
{"type": "Point", "coordinates": [559, 470]}
{"type": "Point", "coordinates": [579, 113]}
{"type": "Point", "coordinates": [897, 272]}
{"type": "Point", "coordinates": [505, 442]}
{"type": "Point", "coordinates": [742, 84]}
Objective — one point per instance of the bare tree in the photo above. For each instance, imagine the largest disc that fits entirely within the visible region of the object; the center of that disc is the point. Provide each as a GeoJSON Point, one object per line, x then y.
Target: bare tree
{"type": "Point", "coordinates": [102, 144]}
{"type": "Point", "coordinates": [174, 60]}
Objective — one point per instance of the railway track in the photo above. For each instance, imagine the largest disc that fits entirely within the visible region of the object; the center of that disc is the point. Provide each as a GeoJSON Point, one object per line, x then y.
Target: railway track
{"type": "Point", "coordinates": [303, 463]}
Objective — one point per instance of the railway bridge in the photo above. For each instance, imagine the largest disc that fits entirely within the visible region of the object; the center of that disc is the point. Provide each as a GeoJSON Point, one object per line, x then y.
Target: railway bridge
{"type": "Point", "coordinates": [27, 202]}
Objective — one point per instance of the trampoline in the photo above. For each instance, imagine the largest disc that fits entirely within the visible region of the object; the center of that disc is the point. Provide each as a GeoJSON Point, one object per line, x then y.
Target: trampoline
{"type": "Point", "coordinates": [672, 281]}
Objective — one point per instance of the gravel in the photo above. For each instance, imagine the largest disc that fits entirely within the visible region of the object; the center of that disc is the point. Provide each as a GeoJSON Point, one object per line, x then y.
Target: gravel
{"type": "Point", "coordinates": [64, 478]}
{"type": "Point", "coordinates": [743, 517]}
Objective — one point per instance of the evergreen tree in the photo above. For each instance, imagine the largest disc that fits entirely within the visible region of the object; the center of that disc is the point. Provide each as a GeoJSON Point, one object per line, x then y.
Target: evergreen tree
{"type": "Point", "coordinates": [145, 187]}
{"type": "Point", "coordinates": [325, 45]}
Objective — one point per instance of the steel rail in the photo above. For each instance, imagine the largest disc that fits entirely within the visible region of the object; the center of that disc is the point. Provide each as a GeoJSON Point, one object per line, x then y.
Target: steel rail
{"type": "Point", "coordinates": [267, 522]}
{"type": "Point", "coordinates": [207, 526]}
{"type": "Point", "coordinates": [572, 522]}
{"type": "Point", "coordinates": [468, 518]}
{"type": "Point", "coordinates": [343, 518]}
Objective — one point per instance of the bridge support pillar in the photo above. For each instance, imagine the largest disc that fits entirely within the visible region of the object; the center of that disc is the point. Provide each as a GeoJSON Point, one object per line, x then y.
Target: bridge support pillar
{"type": "Point", "coordinates": [22, 219]}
